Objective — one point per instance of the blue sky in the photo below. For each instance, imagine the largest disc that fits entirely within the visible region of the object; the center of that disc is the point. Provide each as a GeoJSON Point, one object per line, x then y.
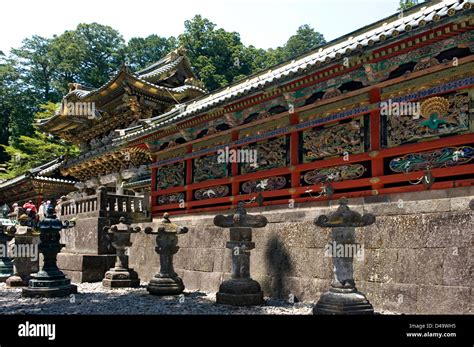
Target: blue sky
{"type": "Point", "coordinates": [262, 23]}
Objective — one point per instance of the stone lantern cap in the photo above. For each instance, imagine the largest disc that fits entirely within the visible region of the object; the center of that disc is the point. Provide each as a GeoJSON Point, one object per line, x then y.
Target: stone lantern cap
{"type": "Point", "coordinates": [122, 227]}
{"type": "Point", "coordinates": [5, 222]}
{"type": "Point", "coordinates": [5, 210]}
{"type": "Point", "coordinates": [241, 219]}
{"type": "Point", "coordinates": [344, 217]}
{"type": "Point", "coordinates": [23, 229]}
{"type": "Point", "coordinates": [166, 226]}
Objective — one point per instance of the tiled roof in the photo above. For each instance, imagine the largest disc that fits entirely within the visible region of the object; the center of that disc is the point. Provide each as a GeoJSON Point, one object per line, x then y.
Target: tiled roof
{"type": "Point", "coordinates": [83, 94]}
{"type": "Point", "coordinates": [160, 70]}
{"type": "Point", "coordinates": [369, 36]}
{"type": "Point", "coordinates": [39, 173]}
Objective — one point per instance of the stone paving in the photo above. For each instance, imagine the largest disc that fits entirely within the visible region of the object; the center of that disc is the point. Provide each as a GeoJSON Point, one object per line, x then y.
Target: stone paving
{"type": "Point", "coordinates": [94, 299]}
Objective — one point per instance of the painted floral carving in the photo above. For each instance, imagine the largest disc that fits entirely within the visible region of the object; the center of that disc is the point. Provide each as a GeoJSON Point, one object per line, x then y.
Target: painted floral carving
{"type": "Point", "coordinates": [270, 154]}
{"type": "Point", "coordinates": [170, 176]}
{"type": "Point", "coordinates": [211, 192]}
{"type": "Point", "coordinates": [208, 167]}
{"type": "Point", "coordinates": [445, 157]}
{"type": "Point", "coordinates": [174, 198]}
{"type": "Point", "coordinates": [334, 174]}
{"type": "Point", "coordinates": [411, 128]}
{"type": "Point", "coordinates": [335, 140]}
{"type": "Point", "coordinates": [271, 183]}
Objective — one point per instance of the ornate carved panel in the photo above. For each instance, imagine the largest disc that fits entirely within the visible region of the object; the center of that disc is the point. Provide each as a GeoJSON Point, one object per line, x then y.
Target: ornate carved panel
{"type": "Point", "coordinates": [208, 168]}
{"type": "Point", "coordinates": [174, 198]}
{"type": "Point", "coordinates": [445, 157]}
{"type": "Point", "coordinates": [271, 183]}
{"type": "Point", "coordinates": [272, 153]}
{"type": "Point", "coordinates": [334, 174]}
{"type": "Point", "coordinates": [211, 192]}
{"type": "Point", "coordinates": [335, 140]}
{"type": "Point", "coordinates": [435, 120]}
{"type": "Point", "coordinates": [170, 176]}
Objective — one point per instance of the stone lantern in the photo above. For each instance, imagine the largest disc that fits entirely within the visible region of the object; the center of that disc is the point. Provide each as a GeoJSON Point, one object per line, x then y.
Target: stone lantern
{"type": "Point", "coordinates": [240, 289]}
{"type": "Point", "coordinates": [343, 296]}
{"type": "Point", "coordinates": [121, 275]}
{"type": "Point", "coordinates": [6, 264]}
{"type": "Point", "coordinates": [166, 282]}
{"type": "Point", "coordinates": [50, 281]}
{"type": "Point", "coordinates": [22, 266]}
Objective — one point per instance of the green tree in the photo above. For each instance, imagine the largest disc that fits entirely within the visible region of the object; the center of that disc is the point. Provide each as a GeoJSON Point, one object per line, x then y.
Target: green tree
{"type": "Point", "coordinates": [218, 56]}
{"type": "Point", "coordinates": [68, 52]}
{"type": "Point", "coordinates": [17, 104]}
{"type": "Point", "coordinates": [36, 67]}
{"type": "Point", "coordinates": [305, 40]}
{"type": "Point", "coordinates": [406, 4]}
{"type": "Point", "coordinates": [31, 151]}
{"type": "Point", "coordinates": [104, 52]}
{"type": "Point", "coordinates": [7, 78]}
{"type": "Point", "coordinates": [36, 75]}
{"type": "Point", "coordinates": [143, 52]}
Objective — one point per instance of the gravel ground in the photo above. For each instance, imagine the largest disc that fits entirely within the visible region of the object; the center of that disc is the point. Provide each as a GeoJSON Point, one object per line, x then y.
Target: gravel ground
{"type": "Point", "coordinates": [93, 299]}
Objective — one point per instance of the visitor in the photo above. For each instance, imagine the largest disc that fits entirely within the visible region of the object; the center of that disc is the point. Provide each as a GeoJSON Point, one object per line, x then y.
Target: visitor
{"type": "Point", "coordinates": [16, 210]}
{"type": "Point", "coordinates": [42, 211]}
{"type": "Point", "coordinates": [30, 209]}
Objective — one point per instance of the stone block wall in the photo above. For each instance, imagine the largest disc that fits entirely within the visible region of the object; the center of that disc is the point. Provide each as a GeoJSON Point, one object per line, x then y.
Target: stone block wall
{"type": "Point", "coordinates": [417, 256]}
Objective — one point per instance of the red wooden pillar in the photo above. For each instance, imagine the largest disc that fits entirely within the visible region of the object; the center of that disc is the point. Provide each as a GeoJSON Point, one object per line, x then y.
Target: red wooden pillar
{"type": "Point", "coordinates": [189, 177]}
{"type": "Point", "coordinates": [40, 200]}
{"type": "Point", "coordinates": [375, 146]}
{"type": "Point", "coordinates": [235, 172]}
{"type": "Point", "coordinates": [294, 154]}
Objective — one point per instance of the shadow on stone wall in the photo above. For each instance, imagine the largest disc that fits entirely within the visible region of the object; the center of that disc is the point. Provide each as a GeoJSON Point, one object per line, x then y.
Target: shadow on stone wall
{"type": "Point", "coordinates": [279, 265]}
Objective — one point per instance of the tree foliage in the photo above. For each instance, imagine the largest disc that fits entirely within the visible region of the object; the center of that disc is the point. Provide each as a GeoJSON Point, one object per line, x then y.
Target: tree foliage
{"type": "Point", "coordinates": [35, 76]}
{"type": "Point", "coordinates": [406, 4]}
{"type": "Point", "coordinates": [142, 52]}
{"type": "Point", "coordinates": [34, 150]}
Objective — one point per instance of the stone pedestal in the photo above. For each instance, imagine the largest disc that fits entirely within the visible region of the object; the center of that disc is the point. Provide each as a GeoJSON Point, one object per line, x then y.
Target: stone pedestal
{"type": "Point", "coordinates": [6, 264]}
{"type": "Point", "coordinates": [89, 253]}
{"type": "Point", "coordinates": [121, 275]}
{"type": "Point", "coordinates": [166, 282]}
{"type": "Point", "coordinates": [343, 296]}
{"type": "Point", "coordinates": [23, 266]}
{"type": "Point", "coordinates": [240, 290]}
{"type": "Point", "coordinates": [50, 281]}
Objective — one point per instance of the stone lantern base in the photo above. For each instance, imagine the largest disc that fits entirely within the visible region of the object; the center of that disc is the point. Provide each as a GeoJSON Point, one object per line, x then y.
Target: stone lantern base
{"type": "Point", "coordinates": [6, 269]}
{"type": "Point", "coordinates": [240, 292]}
{"type": "Point", "coordinates": [49, 287]}
{"type": "Point", "coordinates": [16, 281]}
{"type": "Point", "coordinates": [338, 301]}
{"type": "Point", "coordinates": [165, 285]}
{"type": "Point", "coordinates": [121, 278]}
